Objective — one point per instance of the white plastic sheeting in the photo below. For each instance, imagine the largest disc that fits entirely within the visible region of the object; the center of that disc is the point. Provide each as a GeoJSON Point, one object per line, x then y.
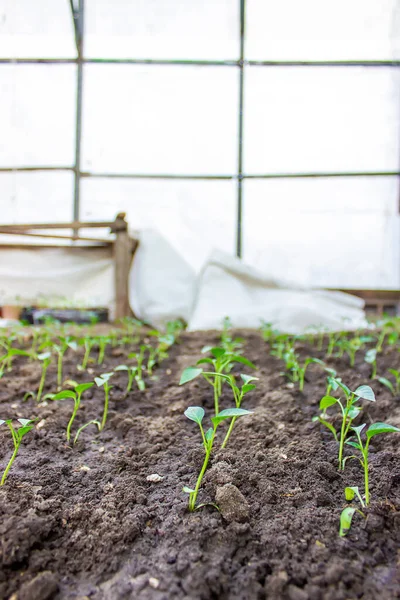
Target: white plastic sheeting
{"type": "Point", "coordinates": [184, 121]}
{"type": "Point", "coordinates": [227, 286]}
{"type": "Point", "coordinates": [57, 277]}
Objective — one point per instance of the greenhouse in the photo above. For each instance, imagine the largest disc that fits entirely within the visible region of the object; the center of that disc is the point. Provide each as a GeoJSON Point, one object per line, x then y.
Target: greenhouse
{"type": "Point", "coordinates": [199, 299]}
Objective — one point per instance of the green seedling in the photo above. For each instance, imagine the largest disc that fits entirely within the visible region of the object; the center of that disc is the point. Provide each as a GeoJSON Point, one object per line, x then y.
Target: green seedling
{"type": "Point", "coordinates": [7, 359]}
{"type": "Point", "coordinates": [298, 371]}
{"type": "Point", "coordinates": [196, 414]}
{"type": "Point", "coordinates": [88, 343]}
{"type": "Point", "coordinates": [139, 357]}
{"type": "Point", "coordinates": [282, 343]}
{"type": "Point", "coordinates": [60, 349]}
{"type": "Point", "coordinates": [74, 395]}
{"type": "Point", "coordinates": [395, 389]}
{"type": "Point", "coordinates": [132, 375]}
{"type": "Point", "coordinates": [387, 326]}
{"type": "Point", "coordinates": [370, 358]}
{"type": "Point", "coordinates": [45, 359]}
{"type": "Point", "coordinates": [349, 412]}
{"type": "Point", "coordinates": [222, 363]}
{"type": "Point", "coordinates": [17, 436]}
{"type": "Point", "coordinates": [333, 339]}
{"type": "Point", "coordinates": [352, 346]}
{"type": "Point", "coordinates": [99, 381]}
{"type": "Point", "coordinates": [103, 342]}
{"type": "Point", "coordinates": [347, 514]}
{"type": "Point", "coordinates": [268, 332]}
{"type": "Point", "coordinates": [374, 429]}
{"type": "Point", "coordinates": [238, 394]}
{"type": "Point", "coordinates": [229, 344]}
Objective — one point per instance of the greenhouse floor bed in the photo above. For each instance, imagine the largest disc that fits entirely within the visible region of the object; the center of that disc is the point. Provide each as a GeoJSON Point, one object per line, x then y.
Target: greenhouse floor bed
{"type": "Point", "coordinates": [84, 521]}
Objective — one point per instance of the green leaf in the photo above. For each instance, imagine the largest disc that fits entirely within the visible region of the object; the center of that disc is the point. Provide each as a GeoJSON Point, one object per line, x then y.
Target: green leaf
{"type": "Point", "coordinates": [2, 421]}
{"type": "Point", "coordinates": [377, 428]}
{"type": "Point", "coordinates": [44, 355]}
{"type": "Point", "coordinates": [204, 361]}
{"type": "Point", "coordinates": [309, 361]}
{"type": "Point", "coordinates": [209, 434]}
{"type": "Point", "coordinates": [359, 428]}
{"type": "Point", "coordinates": [73, 346]}
{"type": "Point", "coordinates": [354, 412]}
{"type": "Point", "coordinates": [25, 422]}
{"type": "Point", "coordinates": [354, 444]}
{"type": "Point", "coordinates": [242, 360]}
{"type": "Point", "coordinates": [387, 383]}
{"type": "Point", "coordinates": [187, 490]}
{"type": "Point", "coordinates": [122, 368]}
{"type": "Point", "coordinates": [328, 426]}
{"type": "Point", "coordinates": [206, 349]}
{"type": "Point", "coordinates": [217, 352]}
{"type": "Point", "coordinates": [365, 392]}
{"type": "Point", "coordinates": [370, 356]}
{"type": "Point", "coordinates": [23, 431]}
{"type": "Point", "coordinates": [189, 374]}
{"type": "Point", "coordinates": [342, 386]}
{"type": "Point", "coordinates": [345, 520]}
{"type": "Point", "coordinates": [195, 413]}
{"type": "Point", "coordinates": [248, 378]}
{"type": "Point", "coordinates": [82, 387]}
{"type": "Point", "coordinates": [350, 493]}
{"type": "Point", "coordinates": [248, 388]}
{"type": "Point", "coordinates": [99, 381]}
{"type": "Point", "coordinates": [63, 395]}
{"type": "Point", "coordinates": [228, 413]}
{"type": "Point", "coordinates": [327, 401]}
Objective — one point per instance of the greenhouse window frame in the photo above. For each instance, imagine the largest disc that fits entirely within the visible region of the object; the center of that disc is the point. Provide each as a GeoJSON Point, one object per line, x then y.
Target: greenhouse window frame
{"type": "Point", "coordinates": [78, 16]}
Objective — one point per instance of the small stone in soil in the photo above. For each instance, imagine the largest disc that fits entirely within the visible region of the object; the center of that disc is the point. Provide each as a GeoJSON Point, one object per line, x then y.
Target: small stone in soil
{"type": "Point", "coordinates": [154, 477]}
{"type": "Point", "coordinates": [232, 504]}
{"type": "Point", "coordinates": [154, 582]}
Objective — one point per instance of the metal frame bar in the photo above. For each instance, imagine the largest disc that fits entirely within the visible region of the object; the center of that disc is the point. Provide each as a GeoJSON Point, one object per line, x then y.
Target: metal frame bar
{"type": "Point", "coordinates": [241, 63]}
{"type": "Point", "coordinates": [206, 63]}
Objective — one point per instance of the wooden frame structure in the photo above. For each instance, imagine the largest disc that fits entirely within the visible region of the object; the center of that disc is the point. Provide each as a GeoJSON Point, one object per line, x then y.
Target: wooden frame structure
{"type": "Point", "coordinates": [122, 248]}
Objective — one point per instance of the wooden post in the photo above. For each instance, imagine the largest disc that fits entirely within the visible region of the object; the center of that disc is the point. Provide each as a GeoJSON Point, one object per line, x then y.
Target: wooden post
{"type": "Point", "coordinates": [123, 252]}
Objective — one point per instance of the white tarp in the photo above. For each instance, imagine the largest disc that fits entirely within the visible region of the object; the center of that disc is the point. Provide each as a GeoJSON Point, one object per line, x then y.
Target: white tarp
{"type": "Point", "coordinates": [57, 277]}
{"type": "Point", "coordinates": [163, 287]}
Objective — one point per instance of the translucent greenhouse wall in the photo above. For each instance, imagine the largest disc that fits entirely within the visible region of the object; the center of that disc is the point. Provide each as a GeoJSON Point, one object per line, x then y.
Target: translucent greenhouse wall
{"type": "Point", "coordinates": [311, 172]}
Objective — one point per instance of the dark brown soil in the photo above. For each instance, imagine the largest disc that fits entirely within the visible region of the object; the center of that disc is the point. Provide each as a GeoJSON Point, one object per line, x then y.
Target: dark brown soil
{"type": "Point", "coordinates": [84, 522]}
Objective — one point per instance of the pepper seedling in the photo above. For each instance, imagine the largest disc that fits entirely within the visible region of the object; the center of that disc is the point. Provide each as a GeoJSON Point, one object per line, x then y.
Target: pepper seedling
{"type": "Point", "coordinates": [88, 343]}
{"type": "Point", "coordinates": [139, 357]}
{"type": "Point", "coordinates": [6, 360]}
{"type": "Point", "coordinates": [99, 381]}
{"type": "Point", "coordinates": [17, 435]}
{"type": "Point", "coordinates": [132, 375]}
{"type": "Point", "coordinates": [395, 389]}
{"type": "Point", "coordinates": [60, 349]}
{"type": "Point", "coordinates": [238, 394]}
{"type": "Point", "coordinates": [370, 358]}
{"type": "Point", "coordinates": [74, 395]}
{"type": "Point", "coordinates": [196, 414]}
{"type": "Point", "coordinates": [222, 363]}
{"type": "Point", "coordinates": [298, 371]}
{"type": "Point", "coordinates": [347, 514]}
{"type": "Point", "coordinates": [349, 411]}
{"type": "Point", "coordinates": [374, 429]}
{"type": "Point", "coordinates": [45, 359]}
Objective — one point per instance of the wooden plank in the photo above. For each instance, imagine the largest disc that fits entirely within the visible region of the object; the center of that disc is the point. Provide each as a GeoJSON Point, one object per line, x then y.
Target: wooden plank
{"type": "Point", "coordinates": [123, 253]}
{"type": "Point", "coordinates": [72, 225]}
{"type": "Point", "coordinates": [17, 246]}
{"type": "Point", "coordinates": [58, 237]}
